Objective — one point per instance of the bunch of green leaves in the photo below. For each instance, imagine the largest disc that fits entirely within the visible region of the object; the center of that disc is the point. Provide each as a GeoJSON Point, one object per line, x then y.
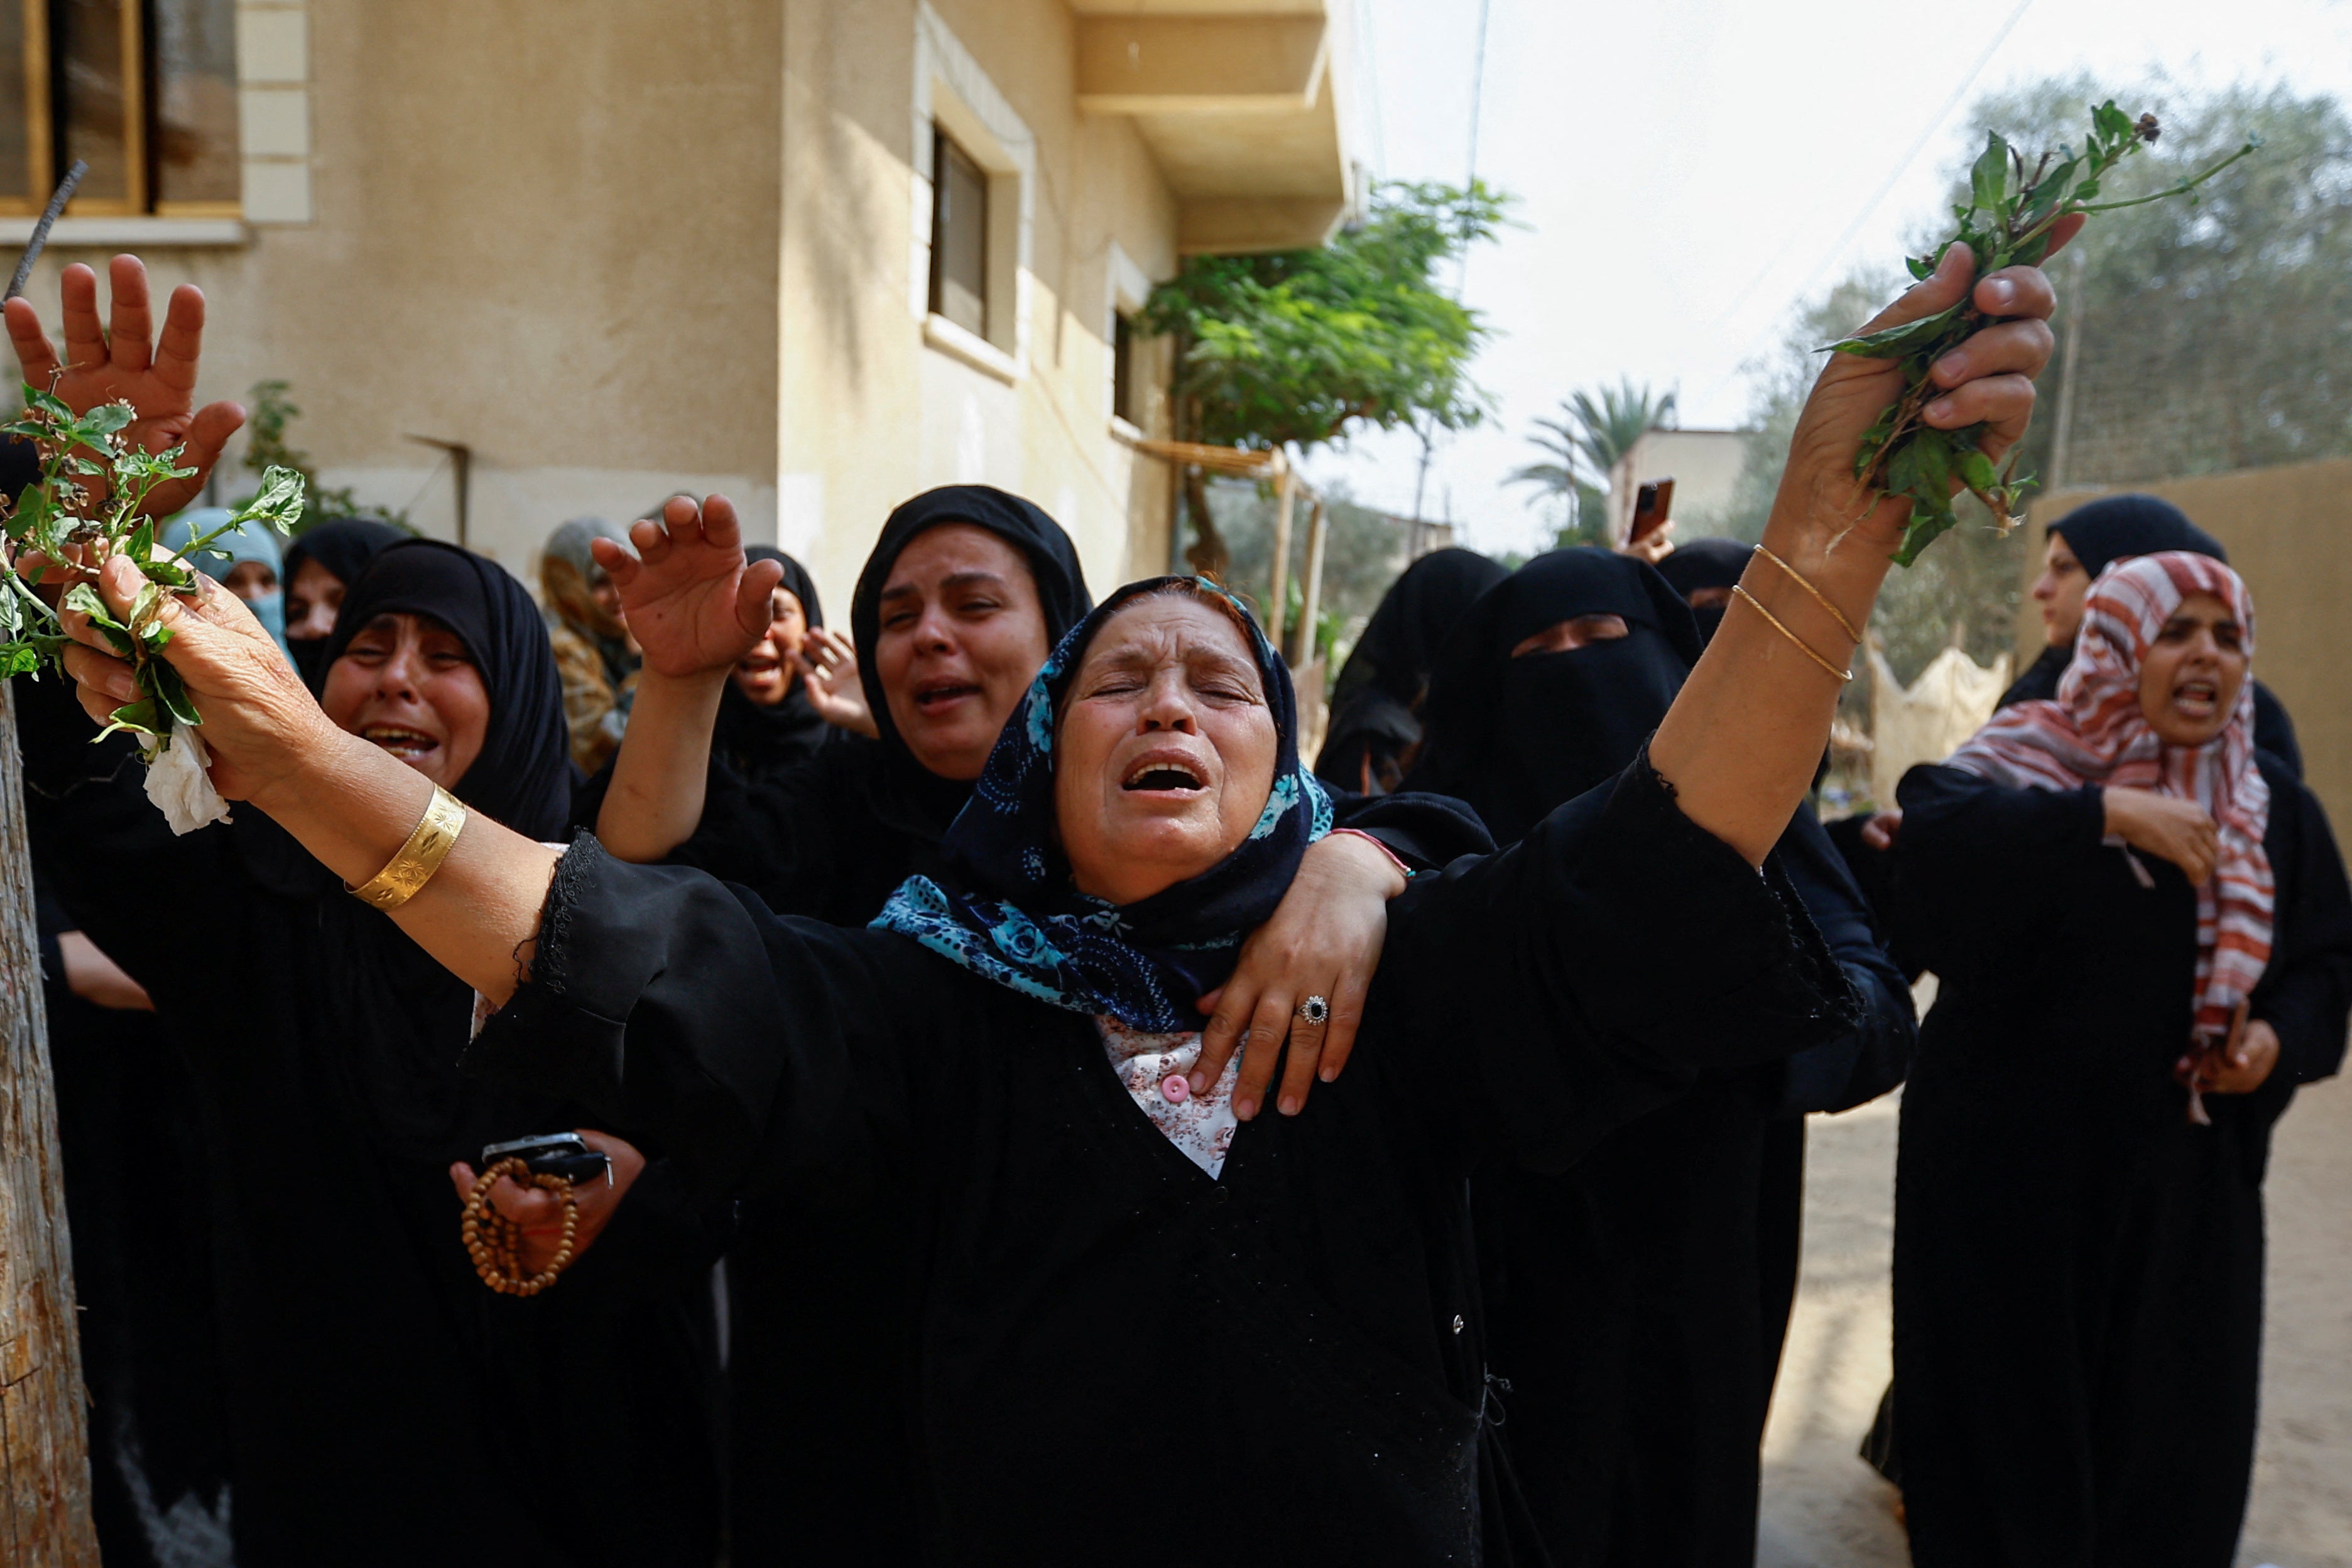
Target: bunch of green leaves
{"type": "Point", "coordinates": [86, 508]}
{"type": "Point", "coordinates": [2007, 221]}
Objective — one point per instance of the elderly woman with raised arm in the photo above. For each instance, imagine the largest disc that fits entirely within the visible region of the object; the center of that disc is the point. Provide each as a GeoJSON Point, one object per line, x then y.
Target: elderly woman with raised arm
{"type": "Point", "coordinates": [1119, 1275]}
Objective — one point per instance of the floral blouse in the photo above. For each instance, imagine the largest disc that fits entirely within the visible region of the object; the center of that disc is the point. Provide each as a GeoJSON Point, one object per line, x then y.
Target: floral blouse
{"type": "Point", "coordinates": [1152, 1066]}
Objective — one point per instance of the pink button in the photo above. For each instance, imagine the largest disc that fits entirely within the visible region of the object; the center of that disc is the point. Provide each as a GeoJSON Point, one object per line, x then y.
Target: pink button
{"type": "Point", "coordinates": [1175, 1090]}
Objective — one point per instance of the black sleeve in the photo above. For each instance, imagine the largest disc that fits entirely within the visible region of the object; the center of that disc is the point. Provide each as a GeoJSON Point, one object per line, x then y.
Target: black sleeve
{"type": "Point", "coordinates": [96, 838]}
{"type": "Point", "coordinates": [1591, 970]}
{"type": "Point", "coordinates": [2274, 732]}
{"type": "Point", "coordinates": [786, 837]}
{"type": "Point", "coordinates": [1971, 853]}
{"type": "Point", "coordinates": [2306, 994]}
{"type": "Point", "coordinates": [1874, 1058]}
{"type": "Point", "coordinates": [1427, 832]}
{"type": "Point", "coordinates": [758, 1050]}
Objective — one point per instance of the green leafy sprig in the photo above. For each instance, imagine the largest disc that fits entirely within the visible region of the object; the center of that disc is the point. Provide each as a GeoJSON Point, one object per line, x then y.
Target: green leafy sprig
{"type": "Point", "coordinates": [86, 506]}
{"type": "Point", "coordinates": [2007, 221]}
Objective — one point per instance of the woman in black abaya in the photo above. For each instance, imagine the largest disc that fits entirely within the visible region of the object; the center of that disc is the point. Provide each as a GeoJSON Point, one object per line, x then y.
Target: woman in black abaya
{"type": "Point", "coordinates": [1375, 707]}
{"type": "Point", "coordinates": [371, 1378]}
{"type": "Point", "coordinates": [1636, 1311]}
{"type": "Point", "coordinates": [972, 586]}
{"type": "Point", "coordinates": [2078, 1243]}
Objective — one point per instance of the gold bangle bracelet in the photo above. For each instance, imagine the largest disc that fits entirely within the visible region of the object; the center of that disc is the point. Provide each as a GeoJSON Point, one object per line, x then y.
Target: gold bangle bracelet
{"type": "Point", "coordinates": [1818, 597]}
{"type": "Point", "coordinates": [1803, 646]}
{"type": "Point", "coordinates": [436, 835]}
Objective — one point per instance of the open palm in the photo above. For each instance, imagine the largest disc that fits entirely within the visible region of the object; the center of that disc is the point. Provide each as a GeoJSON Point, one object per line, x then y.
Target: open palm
{"type": "Point", "coordinates": [692, 603]}
{"type": "Point", "coordinates": [124, 362]}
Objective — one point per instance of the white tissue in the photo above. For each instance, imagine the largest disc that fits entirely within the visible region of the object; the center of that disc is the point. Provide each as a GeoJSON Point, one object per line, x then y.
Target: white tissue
{"type": "Point", "coordinates": [178, 785]}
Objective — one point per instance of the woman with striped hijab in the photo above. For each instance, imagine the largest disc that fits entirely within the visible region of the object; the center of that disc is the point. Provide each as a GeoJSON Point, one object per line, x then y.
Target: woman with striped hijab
{"type": "Point", "coordinates": [2145, 941]}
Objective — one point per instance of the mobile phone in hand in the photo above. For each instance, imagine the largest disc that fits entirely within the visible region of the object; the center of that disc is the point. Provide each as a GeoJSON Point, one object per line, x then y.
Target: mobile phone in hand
{"type": "Point", "coordinates": [1653, 503]}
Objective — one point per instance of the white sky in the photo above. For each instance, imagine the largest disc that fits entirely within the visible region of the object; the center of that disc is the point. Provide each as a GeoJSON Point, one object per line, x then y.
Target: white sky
{"type": "Point", "coordinates": [1684, 167]}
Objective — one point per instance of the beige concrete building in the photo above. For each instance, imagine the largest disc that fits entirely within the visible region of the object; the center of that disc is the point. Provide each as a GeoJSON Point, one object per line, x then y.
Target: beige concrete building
{"type": "Point", "coordinates": [817, 255]}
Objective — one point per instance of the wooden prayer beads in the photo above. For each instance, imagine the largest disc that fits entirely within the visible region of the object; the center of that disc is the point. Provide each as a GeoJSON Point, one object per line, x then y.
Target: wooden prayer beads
{"type": "Point", "coordinates": [495, 1242]}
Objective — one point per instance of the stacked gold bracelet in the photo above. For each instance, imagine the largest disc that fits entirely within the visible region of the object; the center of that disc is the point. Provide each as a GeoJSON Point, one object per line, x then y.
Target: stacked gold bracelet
{"type": "Point", "coordinates": [436, 835]}
{"type": "Point", "coordinates": [495, 1242]}
{"type": "Point", "coordinates": [1820, 598]}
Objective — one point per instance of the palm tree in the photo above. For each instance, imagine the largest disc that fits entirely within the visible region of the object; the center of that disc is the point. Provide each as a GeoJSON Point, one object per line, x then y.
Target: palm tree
{"type": "Point", "coordinates": [1585, 442]}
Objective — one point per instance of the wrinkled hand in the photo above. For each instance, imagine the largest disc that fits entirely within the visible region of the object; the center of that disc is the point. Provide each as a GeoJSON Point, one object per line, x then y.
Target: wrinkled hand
{"type": "Point", "coordinates": [259, 717]}
{"type": "Point", "coordinates": [829, 674]}
{"type": "Point", "coordinates": [97, 979]}
{"type": "Point", "coordinates": [540, 1213]}
{"type": "Point", "coordinates": [690, 601]}
{"type": "Point", "coordinates": [1989, 378]}
{"type": "Point", "coordinates": [1324, 941]}
{"type": "Point", "coordinates": [129, 365]}
{"type": "Point", "coordinates": [2167, 826]}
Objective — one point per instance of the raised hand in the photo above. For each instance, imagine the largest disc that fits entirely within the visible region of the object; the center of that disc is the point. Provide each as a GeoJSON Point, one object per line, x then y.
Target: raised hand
{"type": "Point", "coordinates": [829, 672]}
{"type": "Point", "coordinates": [692, 604]}
{"type": "Point", "coordinates": [1990, 378]}
{"type": "Point", "coordinates": [125, 362]}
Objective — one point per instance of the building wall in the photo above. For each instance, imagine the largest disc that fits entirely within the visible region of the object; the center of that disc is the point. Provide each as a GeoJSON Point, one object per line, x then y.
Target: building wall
{"type": "Point", "coordinates": [1704, 466]}
{"type": "Point", "coordinates": [870, 411]}
{"type": "Point", "coordinates": [678, 246]}
{"type": "Point", "coordinates": [556, 245]}
{"type": "Point", "coordinates": [2288, 530]}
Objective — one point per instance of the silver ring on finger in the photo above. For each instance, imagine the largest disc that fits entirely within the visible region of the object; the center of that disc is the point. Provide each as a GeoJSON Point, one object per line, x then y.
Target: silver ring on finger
{"type": "Point", "coordinates": [1315, 1010]}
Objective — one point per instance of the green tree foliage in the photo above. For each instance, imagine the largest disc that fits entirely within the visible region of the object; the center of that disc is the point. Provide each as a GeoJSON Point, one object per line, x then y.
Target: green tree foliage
{"type": "Point", "coordinates": [1584, 442]}
{"type": "Point", "coordinates": [1297, 349]}
{"type": "Point", "coordinates": [2213, 336]}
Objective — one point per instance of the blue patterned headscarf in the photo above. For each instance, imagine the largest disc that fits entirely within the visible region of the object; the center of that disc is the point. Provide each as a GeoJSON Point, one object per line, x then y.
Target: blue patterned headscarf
{"type": "Point", "coordinates": [1005, 908]}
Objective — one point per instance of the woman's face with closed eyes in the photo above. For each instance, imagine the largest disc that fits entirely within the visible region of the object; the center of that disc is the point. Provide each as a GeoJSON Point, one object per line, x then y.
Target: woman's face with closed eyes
{"type": "Point", "coordinates": [406, 683]}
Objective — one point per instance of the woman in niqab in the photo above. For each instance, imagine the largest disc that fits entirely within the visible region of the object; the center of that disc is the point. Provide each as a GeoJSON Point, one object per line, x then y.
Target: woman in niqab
{"type": "Point", "coordinates": [2078, 1243]}
{"type": "Point", "coordinates": [1636, 1310]}
{"type": "Point", "coordinates": [1375, 724]}
{"type": "Point", "coordinates": [371, 1377]}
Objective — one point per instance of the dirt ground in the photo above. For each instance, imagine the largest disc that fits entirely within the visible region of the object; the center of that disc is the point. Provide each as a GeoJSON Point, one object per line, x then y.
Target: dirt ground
{"type": "Point", "coordinates": [1824, 1509]}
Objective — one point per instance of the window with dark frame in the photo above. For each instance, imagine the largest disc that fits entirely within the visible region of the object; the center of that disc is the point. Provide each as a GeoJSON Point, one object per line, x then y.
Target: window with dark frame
{"type": "Point", "coordinates": [145, 91]}
{"type": "Point", "coordinates": [1124, 404]}
{"type": "Point", "coordinates": [958, 235]}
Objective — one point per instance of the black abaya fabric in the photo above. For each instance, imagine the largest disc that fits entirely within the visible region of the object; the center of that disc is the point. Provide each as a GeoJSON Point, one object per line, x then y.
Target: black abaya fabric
{"type": "Point", "coordinates": [2078, 1269]}
{"type": "Point", "coordinates": [344, 547]}
{"type": "Point", "coordinates": [133, 1164]}
{"type": "Point", "coordinates": [371, 1376]}
{"type": "Point", "coordinates": [1373, 726]}
{"type": "Point", "coordinates": [1323, 1289]}
{"type": "Point", "coordinates": [1638, 1299]}
{"type": "Point", "coordinates": [1706, 564]}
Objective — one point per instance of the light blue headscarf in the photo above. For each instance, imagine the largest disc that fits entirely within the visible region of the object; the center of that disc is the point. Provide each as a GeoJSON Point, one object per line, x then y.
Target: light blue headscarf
{"type": "Point", "coordinates": [251, 541]}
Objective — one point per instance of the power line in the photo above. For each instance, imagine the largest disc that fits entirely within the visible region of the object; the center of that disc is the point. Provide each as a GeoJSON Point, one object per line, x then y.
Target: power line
{"type": "Point", "coordinates": [1870, 207]}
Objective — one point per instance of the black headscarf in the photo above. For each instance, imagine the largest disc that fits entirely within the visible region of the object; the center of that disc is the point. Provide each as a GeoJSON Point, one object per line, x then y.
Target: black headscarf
{"type": "Point", "coordinates": [523, 776]}
{"type": "Point", "coordinates": [753, 739]}
{"type": "Point", "coordinates": [1706, 564]}
{"type": "Point", "coordinates": [918, 798]}
{"type": "Point", "coordinates": [1378, 694]}
{"type": "Point", "coordinates": [1005, 910]}
{"type": "Point", "coordinates": [1517, 737]}
{"type": "Point", "coordinates": [344, 547]}
{"type": "Point", "coordinates": [2106, 531]}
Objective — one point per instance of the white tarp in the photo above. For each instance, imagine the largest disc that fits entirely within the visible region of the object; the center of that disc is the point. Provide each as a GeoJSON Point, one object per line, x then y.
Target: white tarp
{"type": "Point", "coordinates": [1926, 721]}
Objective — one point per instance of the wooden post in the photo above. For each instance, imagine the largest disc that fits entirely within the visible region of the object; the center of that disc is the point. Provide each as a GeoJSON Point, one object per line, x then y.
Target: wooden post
{"type": "Point", "coordinates": [1285, 494]}
{"type": "Point", "coordinates": [44, 1519]}
{"type": "Point", "coordinates": [1318, 534]}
